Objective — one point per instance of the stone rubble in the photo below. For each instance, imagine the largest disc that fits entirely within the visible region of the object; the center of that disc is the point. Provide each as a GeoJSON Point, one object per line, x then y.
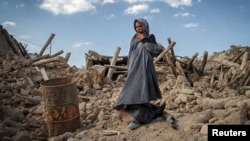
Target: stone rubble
{"type": "Point", "coordinates": [194, 106]}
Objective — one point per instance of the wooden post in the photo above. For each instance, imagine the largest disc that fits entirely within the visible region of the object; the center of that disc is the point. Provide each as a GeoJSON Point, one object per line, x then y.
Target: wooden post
{"type": "Point", "coordinates": [190, 62]}
{"type": "Point", "coordinates": [116, 67]}
{"type": "Point", "coordinates": [204, 62]}
{"type": "Point", "coordinates": [3, 41]}
{"type": "Point", "coordinates": [44, 74]}
{"type": "Point", "coordinates": [12, 44]}
{"type": "Point", "coordinates": [39, 65]}
{"type": "Point", "coordinates": [67, 56]}
{"type": "Point", "coordinates": [41, 57]}
{"type": "Point", "coordinates": [113, 62]}
{"type": "Point", "coordinates": [46, 44]}
{"type": "Point", "coordinates": [57, 53]}
{"type": "Point", "coordinates": [164, 52]}
{"type": "Point", "coordinates": [237, 57]}
{"type": "Point", "coordinates": [179, 69]}
{"type": "Point", "coordinates": [172, 51]}
{"type": "Point", "coordinates": [225, 62]}
{"type": "Point", "coordinates": [244, 60]}
{"type": "Point", "coordinates": [245, 79]}
{"type": "Point", "coordinates": [45, 61]}
{"type": "Point", "coordinates": [171, 64]}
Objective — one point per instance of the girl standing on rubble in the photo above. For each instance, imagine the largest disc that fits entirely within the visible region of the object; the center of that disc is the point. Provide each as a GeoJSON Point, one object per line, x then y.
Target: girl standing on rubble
{"type": "Point", "coordinates": [141, 86]}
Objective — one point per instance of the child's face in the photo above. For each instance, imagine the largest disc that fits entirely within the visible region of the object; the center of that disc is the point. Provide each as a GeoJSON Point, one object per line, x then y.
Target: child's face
{"type": "Point", "coordinates": [138, 27]}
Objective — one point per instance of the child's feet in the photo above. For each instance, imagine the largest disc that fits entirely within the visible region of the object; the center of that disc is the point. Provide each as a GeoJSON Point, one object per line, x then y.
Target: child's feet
{"type": "Point", "coordinates": [133, 125]}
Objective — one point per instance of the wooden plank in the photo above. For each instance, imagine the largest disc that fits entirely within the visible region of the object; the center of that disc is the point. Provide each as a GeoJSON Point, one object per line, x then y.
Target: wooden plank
{"type": "Point", "coordinates": [116, 67]}
{"type": "Point", "coordinates": [41, 57]}
{"type": "Point", "coordinates": [244, 60]}
{"type": "Point", "coordinates": [203, 64]}
{"type": "Point", "coordinates": [44, 74]}
{"type": "Point", "coordinates": [172, 51]}
{"type": "Point", "coordinates": [12, 44]}
{"type": "Point", "coordinates": [179, 69]}
{"type": "Point", "coordinates": [171, 64]}
{"type": "Point", "coordinates": [113, 62]}
{"type": "Point", "coordinates": [45, 61]}
{"type": "Point", "coordinates": [190, 62]}
{"type": "Point", "coordinates": [162, 54]}
{"type": "Point", "coordinates": [67, 56]}
{"type": "Point", "coordinates": [57, 53]}
{"type": "Point", "coordinates": [46, 44]}
{"type": "Point", "coordinates": [225, 62]}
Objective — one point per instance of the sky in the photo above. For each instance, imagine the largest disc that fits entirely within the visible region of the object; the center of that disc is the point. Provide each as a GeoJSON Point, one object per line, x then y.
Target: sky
{"type": "Point", "coordinates": [104, 25]}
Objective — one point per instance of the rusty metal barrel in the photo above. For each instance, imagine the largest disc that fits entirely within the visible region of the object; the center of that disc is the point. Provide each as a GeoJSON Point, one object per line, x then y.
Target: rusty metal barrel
{"type": "Point", "coordinates": [60, 105]}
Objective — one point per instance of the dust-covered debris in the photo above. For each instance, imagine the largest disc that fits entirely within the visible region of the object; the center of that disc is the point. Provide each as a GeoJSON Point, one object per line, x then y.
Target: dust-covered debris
{"type": "Point", "coordinates": [198, 92]}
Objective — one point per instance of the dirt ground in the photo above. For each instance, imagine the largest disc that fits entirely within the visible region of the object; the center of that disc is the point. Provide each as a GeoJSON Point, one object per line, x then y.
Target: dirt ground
{"type": "Point", "coordinates": [157, 130]}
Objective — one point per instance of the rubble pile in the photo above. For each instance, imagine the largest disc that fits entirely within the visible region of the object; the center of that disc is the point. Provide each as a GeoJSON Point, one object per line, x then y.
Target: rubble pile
{"type": "Point", "coordinates": [213, 89]}
{"type": "Point", "coordinates": [22, 112]}
{"type": "Point", "coordinates": [20, 104]}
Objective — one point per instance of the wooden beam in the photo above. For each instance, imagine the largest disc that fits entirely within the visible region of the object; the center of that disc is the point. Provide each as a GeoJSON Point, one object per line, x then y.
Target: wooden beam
{"type": "Point", "coordinates": [203, 64]}
{"type": "Point", "coordinates": [162, 54]}
{"type": "Point", "coordinates": [116, 67]}
{"type": "Point", "coordinates": [41, 57]}
{"type": "Point", "coordinates": [113, 62]}
{"type": "Point", "coordinates": [244, 60]}
{"type": "Point", "coordinates": [225, 62]}
{"type": "Point", "coordinates": [45, 61]}
{"type": "Point", "coordinates": [44, 74]}
{"type": "Point", "coordinates": [190, 62]}
{"type": "Point", "coordinates": [12, 44]}
{"type": "Point", "coordinates": [57, 53]}
{"type": "Point", "coordinates": [172, 50]}
{"type": "Point", "coordinates": [47, 43]}
{"type": "Point", "coordinates": [67, 56]}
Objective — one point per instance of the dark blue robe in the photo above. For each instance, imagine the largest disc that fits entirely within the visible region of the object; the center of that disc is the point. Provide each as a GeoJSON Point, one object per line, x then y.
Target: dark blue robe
{"type": "Point", "coordinates": [141, 85]}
